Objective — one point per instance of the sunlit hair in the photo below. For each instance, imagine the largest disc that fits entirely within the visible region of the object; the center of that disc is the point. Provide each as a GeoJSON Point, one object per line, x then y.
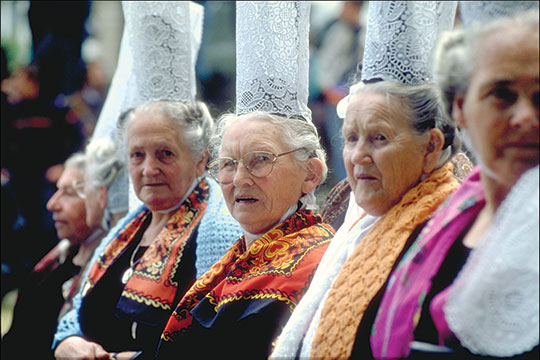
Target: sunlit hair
{"type": "Point", "coordinates": [76, 161]}
{"type": "Point", "coordinates": [103, 162]}
{"type": "Point", "coordinates": [194, 119]}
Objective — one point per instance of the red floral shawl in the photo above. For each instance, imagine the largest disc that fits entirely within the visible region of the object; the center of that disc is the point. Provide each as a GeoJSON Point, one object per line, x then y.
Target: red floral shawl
{"type": "Point", "coordinates": [152, 283]}
{"type": "Point", "coordinates": [278, 266]}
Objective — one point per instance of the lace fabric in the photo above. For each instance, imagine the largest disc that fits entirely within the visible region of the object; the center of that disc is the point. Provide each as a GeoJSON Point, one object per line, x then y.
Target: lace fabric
{"type": "Point", "coordinates": [272, 57]}
{"type": "Point", "coordinates": [484, 11]}
{"type": "Point", "coordinates": [401, 36]}
{"type": "Point", "coordinates": [492, 307]}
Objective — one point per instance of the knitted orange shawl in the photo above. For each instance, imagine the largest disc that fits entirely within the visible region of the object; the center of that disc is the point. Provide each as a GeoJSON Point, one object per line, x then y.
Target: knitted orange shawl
{"type": "Point", "coordinates": [369, 265]}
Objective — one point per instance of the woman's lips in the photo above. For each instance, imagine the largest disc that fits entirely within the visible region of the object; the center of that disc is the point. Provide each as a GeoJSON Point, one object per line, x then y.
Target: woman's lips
{"type": "Point", "coordinates": [365, 177]}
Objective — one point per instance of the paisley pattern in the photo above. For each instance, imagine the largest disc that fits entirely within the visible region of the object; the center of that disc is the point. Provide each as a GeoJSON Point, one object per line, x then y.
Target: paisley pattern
{"type": "Point", "coordinates": [153, 281]}
{"type": "Point", "coordinates": [277, 266]}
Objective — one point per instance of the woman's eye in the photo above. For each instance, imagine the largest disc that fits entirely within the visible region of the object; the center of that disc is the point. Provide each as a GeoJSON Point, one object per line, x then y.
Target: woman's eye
{"type": "Point", "coordinates": [504, 95]}
{"type": "Point", "coordinates": [167, 153]}
{"type": "Point", "coordinates": [136, 154]}
{"type": "Point", "coordinates": [379, 137]}
{"type": "Point", "coordinates": [351, 138]}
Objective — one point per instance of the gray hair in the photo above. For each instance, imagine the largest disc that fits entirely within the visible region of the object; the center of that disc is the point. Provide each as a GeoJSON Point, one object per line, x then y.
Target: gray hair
{"type": "Point", "coordinates": [297, 133]}
{"type": "Point", "coordinates": [76, 161]}
{"type": "Point", "coordinates": [456, 53]}
{"type": "Point", "coordinates": [425, 110]}
{"type": "Point", "coordinates": [103, 162]}
{"type": "Point", "coordinates": [194, 119]}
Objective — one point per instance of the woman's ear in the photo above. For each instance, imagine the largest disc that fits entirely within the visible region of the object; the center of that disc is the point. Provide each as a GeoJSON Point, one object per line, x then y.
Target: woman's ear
{"type": "Point", "coordinates": [201, 165]}
{"type": "Point", "coordinates": [457, 111]}
{"type": "Point", "coordinates": [313, 177]}
{"type": "Point", "coordinates": [433, 150]}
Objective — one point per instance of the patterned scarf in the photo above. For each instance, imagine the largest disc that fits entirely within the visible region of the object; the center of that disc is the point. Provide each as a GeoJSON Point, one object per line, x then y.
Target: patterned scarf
{"type": "Point", "coordinates": [152, 284]}
{"type": "Point", "coordinates": [401, 306]}
{"type": "Point", "coordinates": [369, 265]}
{"type": "Point", "coordinates": [279, 265]}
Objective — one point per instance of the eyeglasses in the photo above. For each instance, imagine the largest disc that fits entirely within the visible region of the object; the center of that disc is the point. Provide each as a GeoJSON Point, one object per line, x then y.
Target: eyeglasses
{"type": "Point", "coordinates": [258, 163]}
{"type": "Point", "coordinates": [78, 186]}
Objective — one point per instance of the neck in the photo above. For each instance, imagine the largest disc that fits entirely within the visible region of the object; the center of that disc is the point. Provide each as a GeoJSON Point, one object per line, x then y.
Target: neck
{"type": "Point", "coordinates": [494, 191]}
{"type": "Point", "coordinates": [157, 223]}
{"type": "Point", "coordinates": [87, 247]}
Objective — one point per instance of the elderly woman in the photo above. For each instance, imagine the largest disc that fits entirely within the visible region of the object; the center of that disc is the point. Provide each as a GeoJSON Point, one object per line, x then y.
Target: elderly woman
{"type": "Point", "coordinates": [489, 74]}
{"type": "Point", "coordinates": [154, 254]}
{"type": "Point", "coordinates": [55, 279]}
{"type": "Point", "coordinates": [268, 167]}
{"type": "Point", "coordinates": [398, 142]}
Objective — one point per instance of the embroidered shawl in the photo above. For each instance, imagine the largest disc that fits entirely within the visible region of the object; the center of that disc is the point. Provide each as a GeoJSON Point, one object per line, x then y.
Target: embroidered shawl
{"type": "Point", "coordinates": [152, 284]}
{"type": "Point", "coordinates": [401, 306]}
{"type": "Point", "coordinates": [370, 264]}
{"type": "Point", "coordinates": [278, 267]}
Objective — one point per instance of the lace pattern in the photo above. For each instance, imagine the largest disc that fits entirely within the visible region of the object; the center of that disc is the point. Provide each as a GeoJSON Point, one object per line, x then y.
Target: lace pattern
{"type": "Point", "coordinates": [401, 36]}
{"type": "Point", "coordinates": [272, 57]}
{"type": "Point", "coordinates": [484, 11]}
{"type": "Point", "coordinates": [159, 40]}
{"type": "Point", "coordinates": [493, 306]}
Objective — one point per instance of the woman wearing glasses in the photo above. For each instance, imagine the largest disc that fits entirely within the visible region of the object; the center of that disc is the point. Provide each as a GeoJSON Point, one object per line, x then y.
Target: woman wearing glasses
{"type": "Point", "coordinates": [155, 253]}
{"type": "Point", "coordinates": [268, 167]}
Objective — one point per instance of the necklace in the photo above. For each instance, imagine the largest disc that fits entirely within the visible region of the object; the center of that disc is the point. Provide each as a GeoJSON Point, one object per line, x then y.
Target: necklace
{"type": "Point", "coordinates": [129, 271]}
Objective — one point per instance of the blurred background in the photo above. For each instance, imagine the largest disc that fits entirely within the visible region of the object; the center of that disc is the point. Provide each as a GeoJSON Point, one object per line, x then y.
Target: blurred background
{"type": "Point", "coordinates": [58, 59]}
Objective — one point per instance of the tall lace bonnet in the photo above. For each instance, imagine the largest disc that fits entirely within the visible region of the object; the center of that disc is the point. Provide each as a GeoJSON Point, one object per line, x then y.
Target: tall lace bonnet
{"type": "Point", "coordinates": [493, 305]}
{"type": "Point", "coordinates": [158, 53]}
{"type": "Point", "coordinates": [272, 57]}
{"type": "Point", "coordinates": [400, 41]}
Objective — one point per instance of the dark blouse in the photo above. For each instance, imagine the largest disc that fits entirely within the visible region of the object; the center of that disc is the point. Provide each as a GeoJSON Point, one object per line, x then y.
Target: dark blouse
{"type": "Point", "coordinates": [103, 321]}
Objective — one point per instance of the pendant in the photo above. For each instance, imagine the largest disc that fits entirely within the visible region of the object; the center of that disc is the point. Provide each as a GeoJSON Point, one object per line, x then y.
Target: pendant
{"type": "Point", "coordinates": [127, 275]}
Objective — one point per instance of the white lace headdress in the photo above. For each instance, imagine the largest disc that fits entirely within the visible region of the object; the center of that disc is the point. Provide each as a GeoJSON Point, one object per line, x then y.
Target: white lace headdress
{"type": "Point", "coordinates": [400, 40]}
{"type": "Point", "coordinates": [471, 12]}
{"type": "Point", "coordinates": [492, 307]}
{"type": "Point", "coordinates": [158, 53]}
{"type": "Point", "coordinates": [272, 57]}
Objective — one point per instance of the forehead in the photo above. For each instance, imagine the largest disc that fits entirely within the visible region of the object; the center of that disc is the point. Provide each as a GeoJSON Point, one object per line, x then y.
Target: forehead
{"type": "Point", "coordinates": [251, 133]}
{"type": "Point", "coordinates": [369, 107]}
{"type": "Point", "coordinates": [147, 126]}
{"type": "Point", "coordinates": [67, 177]}
{"type": "Point", "coordinates": [509, 54]}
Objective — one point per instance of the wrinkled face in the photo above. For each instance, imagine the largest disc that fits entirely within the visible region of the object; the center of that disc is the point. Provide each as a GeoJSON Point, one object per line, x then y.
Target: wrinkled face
{"type": "Point", "coordinates": [68, 209]}
{"type": "Point", "coordinates": [382, 155]}
{"type": "Point", "coordinates": [161, 167]}
{"type": "Point", "coordinates": [500, 108]}
{"type": "Point", "coordinates": [259, 203]}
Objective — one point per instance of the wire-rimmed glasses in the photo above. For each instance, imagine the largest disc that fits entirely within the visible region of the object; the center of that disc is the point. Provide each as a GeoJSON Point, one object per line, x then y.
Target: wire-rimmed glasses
{"type": "Point", "coordinates": [258, 163]}
{"type": "Point", "coordinates": [78, 186]}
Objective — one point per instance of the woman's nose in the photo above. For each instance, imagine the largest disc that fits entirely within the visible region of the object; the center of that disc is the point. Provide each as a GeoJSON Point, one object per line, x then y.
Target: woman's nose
{"type": "Point", "coordinates": [525, 116]}
{"type": "Point", "coordinates": [242, 176]}
{"type": "Point", "coordinates": [150, 167]}
{"type": "Point", "coordinates": [53, 204]}
{"type": "Point", "coordinates": [361, 153]}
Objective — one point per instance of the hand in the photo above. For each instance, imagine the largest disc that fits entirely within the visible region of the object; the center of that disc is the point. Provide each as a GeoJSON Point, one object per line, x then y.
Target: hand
{"type": "Point", "coordinates": [77, 348]}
